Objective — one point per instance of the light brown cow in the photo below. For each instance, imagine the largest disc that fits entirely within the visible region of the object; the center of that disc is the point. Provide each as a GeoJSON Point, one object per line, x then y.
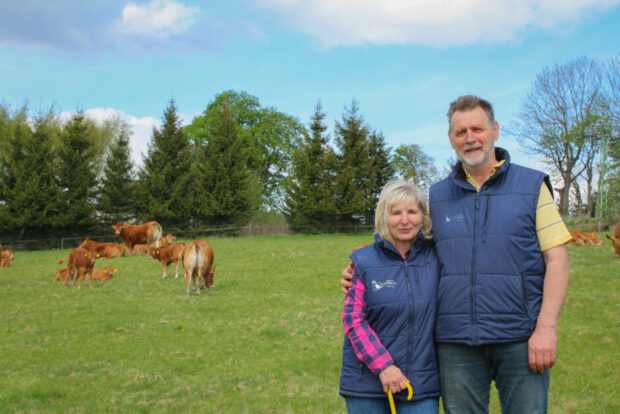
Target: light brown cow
{"type": "Point", "coordinates": [578, 238]}
{"type": "Point", "coordinates": [6, 258]}
{"type": "Point", "coordinates": [166, 255]}
{"type": "Point", "coordinates": [615, 240]}
{"type": "Point", "coordinates": [594, 238]}
{"type": "Point", "coordinates": [148, 233]}
{"type": "Point", "coordinates": [80, 266]}
{"type": "Point", "coordinates": [105, 273]}
{"type": "Point", "coordinates": [103, 250]}
{"type": "Point", "coordinates": [144, 248]}
{"type": "Point", "coordinates": [198, 263]}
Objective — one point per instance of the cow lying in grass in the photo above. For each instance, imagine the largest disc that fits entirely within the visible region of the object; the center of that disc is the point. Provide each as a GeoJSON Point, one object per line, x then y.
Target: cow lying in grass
{"type": "Point", "coordinates": [103, 250]}
{"type": "Point", "coordinates": [580, 238]}
{"type": "Point", "coordinates": [106, 273]}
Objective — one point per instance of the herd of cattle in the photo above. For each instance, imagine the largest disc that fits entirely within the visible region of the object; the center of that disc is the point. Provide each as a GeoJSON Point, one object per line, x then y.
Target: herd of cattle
{"type": "Point", "coordinates": [196, 257]}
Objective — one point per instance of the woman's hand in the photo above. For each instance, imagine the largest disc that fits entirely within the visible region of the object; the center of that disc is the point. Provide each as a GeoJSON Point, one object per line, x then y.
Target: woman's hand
{"type": "Point", "coordinates": [393, 379]}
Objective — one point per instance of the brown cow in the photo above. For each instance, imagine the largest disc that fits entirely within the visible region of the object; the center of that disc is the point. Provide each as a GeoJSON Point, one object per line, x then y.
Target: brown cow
{"type": "Point", "coordinates": [144, 248]}
{"type": "Point", "coordinates": [80, 265]}
{"type": "Point", "coordinates": [615, 240]}
{"type": "Point", "coordinates": [166, 255]}
{"type": "Point", "coordinates": [578, 238]}
{"type": "Point", "coordinates": [6, 258]}
{"type": "Point", "coordinates": [198, 263]}
{"type": "Point", "coordinates": [594, 238]}
{"type": "Point", "coordinates": [103, 250]}
{"type": "Point", "coordinates": [105, 273]}
{"type": "Point", "coordinates": [148, 233]}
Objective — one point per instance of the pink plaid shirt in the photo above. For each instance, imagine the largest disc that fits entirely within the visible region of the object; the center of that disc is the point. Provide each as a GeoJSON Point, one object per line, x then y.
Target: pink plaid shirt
{"type": "Point", "coordinates": [366, 344]}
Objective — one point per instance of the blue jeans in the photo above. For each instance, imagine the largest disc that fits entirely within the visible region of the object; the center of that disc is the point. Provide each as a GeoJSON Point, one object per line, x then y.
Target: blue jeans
{"type": "Point", "coordinates": [466, 372]}
{"type": "Point", "coordinates": [382, 406]}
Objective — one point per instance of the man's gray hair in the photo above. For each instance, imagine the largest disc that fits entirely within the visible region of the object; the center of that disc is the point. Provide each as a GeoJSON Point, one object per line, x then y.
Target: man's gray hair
{"type": "Point", "coordinates": [468, 103]}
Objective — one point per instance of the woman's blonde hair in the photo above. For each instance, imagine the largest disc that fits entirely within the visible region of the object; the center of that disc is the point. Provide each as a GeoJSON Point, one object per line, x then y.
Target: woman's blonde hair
{"type": "Point", "coordinates": [396, 191]}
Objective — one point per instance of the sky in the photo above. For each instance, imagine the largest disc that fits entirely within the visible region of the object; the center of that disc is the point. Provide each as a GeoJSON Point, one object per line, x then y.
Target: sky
{"type": "Point", "coordinates": [402, 61]}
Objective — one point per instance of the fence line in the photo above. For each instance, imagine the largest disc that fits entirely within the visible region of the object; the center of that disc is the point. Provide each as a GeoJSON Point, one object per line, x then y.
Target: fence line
{"type": "Point", "coordinates": [251, 230]}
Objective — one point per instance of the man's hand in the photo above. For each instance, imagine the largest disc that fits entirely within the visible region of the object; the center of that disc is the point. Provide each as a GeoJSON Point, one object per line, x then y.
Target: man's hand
{"type": "Point", "coordinates": [541, 349]}
{"type": "Point", "coordinates": [347, 277]}
{"type": "Point", "coordinates": [542, 345]}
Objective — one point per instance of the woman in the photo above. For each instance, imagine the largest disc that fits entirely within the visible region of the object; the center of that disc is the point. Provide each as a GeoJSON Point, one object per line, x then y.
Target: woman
{"type": "Point", "coordinates": [389, 312]}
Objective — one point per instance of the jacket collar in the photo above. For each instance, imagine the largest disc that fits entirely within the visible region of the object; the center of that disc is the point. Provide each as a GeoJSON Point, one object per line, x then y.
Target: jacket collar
{"type": "Point", "coordinates": [418, 244]}
{"type": "Point", "coordinates": [458, 174]}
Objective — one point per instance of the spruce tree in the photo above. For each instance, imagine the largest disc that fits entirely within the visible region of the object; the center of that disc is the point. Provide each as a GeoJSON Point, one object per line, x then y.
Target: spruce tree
{"type": "Point", "coordinates": [77, 173]}
{"type": "Point", "coordinates": [227, 191]}
{"type": "Point", "coordinates": [118, 191]}
{"type": "Point", "coordinates": [353, 186]}
{"type": "Point", "coordinates": [310, 193]}
{"type": "Point", "coordinates": [165, 177]}
{"type": "Point", "coordinates": [380, 170]}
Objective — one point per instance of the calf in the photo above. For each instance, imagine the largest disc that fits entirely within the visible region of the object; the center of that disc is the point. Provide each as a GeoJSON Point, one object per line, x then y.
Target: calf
{"type": "Point", "coordinates": [593, 238]}
{"type": "Point", "coordinates": [198, 263]}
{"type": "Point", "coordinates": [80, 265]}
{"type": "Point", "coordinates": [135, 234]}
{"type": "Point", "coordinates": [6, 258]}
{"type": "Point", "coordinates": [105, 273]}
{"type": "Point", "coordinates": [144, 248]}
{"type": "Point", "coordinates": [103, 250]}
{"type": "Point", "coordinates": [579, 238]}
{"type": "Point", "coordinates": [615, 240]}
{"type": "Point", "coordinates": [167, 255]}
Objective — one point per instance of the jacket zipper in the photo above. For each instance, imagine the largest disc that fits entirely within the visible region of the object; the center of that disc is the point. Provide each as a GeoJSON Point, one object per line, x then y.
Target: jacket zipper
{"type": "Point", "coordinates": [410, 326]}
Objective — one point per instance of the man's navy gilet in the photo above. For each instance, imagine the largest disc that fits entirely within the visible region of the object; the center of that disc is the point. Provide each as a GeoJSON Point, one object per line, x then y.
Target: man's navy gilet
{"type": "Point", "coordinates": [491, 266]}
{"type": "Point", "coordinates": [401, 309]}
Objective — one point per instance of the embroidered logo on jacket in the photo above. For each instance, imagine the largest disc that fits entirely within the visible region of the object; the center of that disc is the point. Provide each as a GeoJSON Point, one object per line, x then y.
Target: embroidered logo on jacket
{"type": "Point", "coordinates": [456, 217]}
{"type": "Point", "coordinates": [378, 286]}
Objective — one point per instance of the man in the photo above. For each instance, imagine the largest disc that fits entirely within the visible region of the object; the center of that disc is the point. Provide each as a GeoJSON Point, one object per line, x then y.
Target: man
{"type": "Point", "coordinates": [504, 271]}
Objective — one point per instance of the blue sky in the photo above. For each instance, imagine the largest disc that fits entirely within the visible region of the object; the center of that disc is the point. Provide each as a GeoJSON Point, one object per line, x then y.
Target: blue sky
{"type": "Point", "coordinates": [402, 60]}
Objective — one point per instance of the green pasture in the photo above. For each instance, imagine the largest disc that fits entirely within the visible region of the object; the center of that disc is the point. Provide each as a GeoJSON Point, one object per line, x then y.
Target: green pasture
{"type": "Point", "coordinates": [266, 339]}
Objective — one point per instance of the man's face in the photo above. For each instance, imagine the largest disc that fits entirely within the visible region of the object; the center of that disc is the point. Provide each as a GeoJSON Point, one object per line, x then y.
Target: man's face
{"type": "Point", "coordinates": [473, 137]}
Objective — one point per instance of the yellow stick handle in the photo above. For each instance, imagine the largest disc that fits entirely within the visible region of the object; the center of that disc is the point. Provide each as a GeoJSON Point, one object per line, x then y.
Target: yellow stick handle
{"type": "Point", "coordinates": [392, 407]}
{"type": "Point", "coordinates": [391, 398]}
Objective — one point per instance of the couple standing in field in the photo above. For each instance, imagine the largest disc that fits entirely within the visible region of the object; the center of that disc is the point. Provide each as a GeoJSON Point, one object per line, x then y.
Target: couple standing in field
{"type": "Point", "coordinates": [478, 302]}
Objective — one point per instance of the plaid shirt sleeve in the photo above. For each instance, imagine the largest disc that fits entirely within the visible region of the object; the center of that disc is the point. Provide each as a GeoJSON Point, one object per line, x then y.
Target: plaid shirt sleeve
{"type": "Point", "coordinates": [365, 341]}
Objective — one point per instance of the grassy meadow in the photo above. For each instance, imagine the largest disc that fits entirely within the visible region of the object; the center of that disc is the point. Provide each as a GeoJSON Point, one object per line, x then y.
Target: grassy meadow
{"type": "Point", "coordinates": [266, 339]}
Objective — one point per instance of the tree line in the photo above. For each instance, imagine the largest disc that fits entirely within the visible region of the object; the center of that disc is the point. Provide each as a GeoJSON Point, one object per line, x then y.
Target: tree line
{"type": "Point", "coordinates": [238, 158]}
{"type": "Point", "coordinates": [233, 160]}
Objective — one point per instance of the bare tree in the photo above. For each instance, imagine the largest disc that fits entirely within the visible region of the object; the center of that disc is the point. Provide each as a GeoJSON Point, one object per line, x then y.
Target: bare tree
{"type": "Point", "coordinates": [558, 120]}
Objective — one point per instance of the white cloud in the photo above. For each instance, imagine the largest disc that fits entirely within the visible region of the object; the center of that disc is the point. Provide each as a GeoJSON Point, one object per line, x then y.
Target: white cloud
{"type": "Point", "coordinates": [158, 19]}
{"type": "Point", "coordinates": [141, 128]}
{"type": "Point", "coordinates": [436, 23]}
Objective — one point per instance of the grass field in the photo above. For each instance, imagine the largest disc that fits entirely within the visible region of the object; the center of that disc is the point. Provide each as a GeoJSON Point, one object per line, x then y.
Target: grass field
{"type": "Point", "coordinates": [266, 339]}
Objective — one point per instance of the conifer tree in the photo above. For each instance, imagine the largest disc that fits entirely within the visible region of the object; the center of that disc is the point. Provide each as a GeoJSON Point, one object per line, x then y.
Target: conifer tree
{"type": "Point", "coordinates": [226, 189]}
{"type": "Point", "coordinates": [31, 194]}
{"type": "Point", "coordinates": [118, 195]}
{"type": "Point", "coordinates": [77, 173]}
{"type": "Point", "coordinates": [353, 186]}
{"type": "Point", "coordinates": [165, 177]}
{"type": "Point", "coordinates": [310, 193]}
{"type": "Point", "coordinates": [379, 172]}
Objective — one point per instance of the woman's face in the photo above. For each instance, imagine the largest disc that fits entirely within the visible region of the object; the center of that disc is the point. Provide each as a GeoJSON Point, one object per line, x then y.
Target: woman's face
{"type": "Point", "coordinates": [405, 221]}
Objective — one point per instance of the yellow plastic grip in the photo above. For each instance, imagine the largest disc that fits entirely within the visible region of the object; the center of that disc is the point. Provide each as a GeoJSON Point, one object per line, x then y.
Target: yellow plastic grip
{"type": "Point", "coordinates": [391, 398]}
